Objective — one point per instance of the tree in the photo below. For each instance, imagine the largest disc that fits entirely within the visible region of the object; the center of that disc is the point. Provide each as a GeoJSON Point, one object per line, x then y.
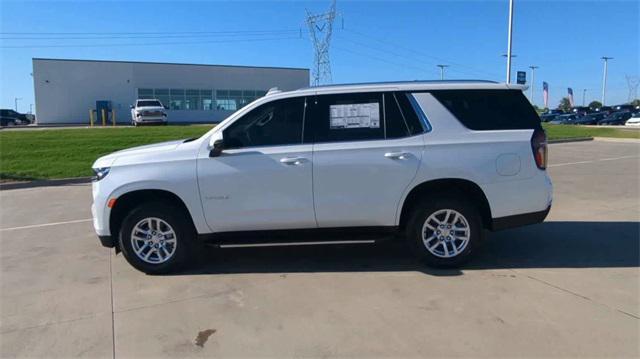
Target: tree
{"type": "Point", "coordinates": [595, 105]}
{"type": "Point", "coordinates": [636, 102]}
{"type": "Point", "coordinates": [565, 104]}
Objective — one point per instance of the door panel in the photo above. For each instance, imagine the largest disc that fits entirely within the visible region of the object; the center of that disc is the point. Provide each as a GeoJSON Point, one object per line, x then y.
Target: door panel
{"type": "Point", "coordinates": [361, 169]}
{"type": "Point", "coordinates": [360, 183]}
{"type": "Point", "coordinates": [258, 189]}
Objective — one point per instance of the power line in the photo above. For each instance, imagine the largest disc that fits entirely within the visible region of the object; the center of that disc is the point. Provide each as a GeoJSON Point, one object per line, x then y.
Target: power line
{"type": "Point", "coordinates": [412, 50]}
{"type": "Point", "coordinates": [148, 43]}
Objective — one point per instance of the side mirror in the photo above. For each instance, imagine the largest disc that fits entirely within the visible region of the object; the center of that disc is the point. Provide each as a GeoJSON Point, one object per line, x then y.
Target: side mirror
{"type": "Point", "coordinates": [166, 107]}
{"type": "Point", "coordinates": [218, 146]}
{"type": "Point", "coordinates": [132, 107]}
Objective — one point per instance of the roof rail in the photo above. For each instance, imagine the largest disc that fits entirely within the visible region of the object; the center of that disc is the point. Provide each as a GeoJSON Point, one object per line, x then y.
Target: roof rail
{"type": "Point", "coordinates": [273, 91]}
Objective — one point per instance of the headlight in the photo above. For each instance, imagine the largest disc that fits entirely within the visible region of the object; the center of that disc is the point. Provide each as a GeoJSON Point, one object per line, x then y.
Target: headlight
{"type": "Point", "coordinates": [100, 173]}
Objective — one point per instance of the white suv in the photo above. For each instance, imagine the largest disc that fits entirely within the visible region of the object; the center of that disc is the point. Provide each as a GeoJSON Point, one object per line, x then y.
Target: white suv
{"type": "Point", "coordinates": [148, 111]}
{"type": "Point", "coordinates": [434, 162]}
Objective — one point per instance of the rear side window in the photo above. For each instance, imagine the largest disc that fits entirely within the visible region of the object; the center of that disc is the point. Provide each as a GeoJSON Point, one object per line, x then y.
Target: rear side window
{"type": "Point", "coordinates": [484, 110]}
{"type": "Point", "coordinates": [347, 117]}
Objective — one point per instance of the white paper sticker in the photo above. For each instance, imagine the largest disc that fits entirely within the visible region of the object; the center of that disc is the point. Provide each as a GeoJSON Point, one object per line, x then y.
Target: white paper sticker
{"type": "Point", "coordinates": [360, 115]}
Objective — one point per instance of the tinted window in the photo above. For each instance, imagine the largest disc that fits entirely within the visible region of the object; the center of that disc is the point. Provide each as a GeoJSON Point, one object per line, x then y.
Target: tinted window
{"type": "Point", "coordinates": [408, 113]}
{"type": "Point", "coordinates": [275, 123]}
{"type": "Point", "coordinates": [347, 117]}
{"type": "Point", "coordinates": [394, 119]}
{"type": "Point", "coordinates": [490, 109]}
{"type": "Point", "coordinates": [149, 104]}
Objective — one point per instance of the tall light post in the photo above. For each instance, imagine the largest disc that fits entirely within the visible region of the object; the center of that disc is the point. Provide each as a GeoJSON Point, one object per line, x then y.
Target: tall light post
{"type": "Point", "coordinates": [509, 41]}
{"type": "Point", "coordinates": [604, 78]}
{"type": "Point", "coordinates": [533, 81]}
{"type": "Point", "coordinates": [15, 102]}
{"type": "Point", "coordinates": [30, 108]}
{"type": "Point", "coordinates": [584, 94]}
{"type": "Point", "coordinates": [442, 67]}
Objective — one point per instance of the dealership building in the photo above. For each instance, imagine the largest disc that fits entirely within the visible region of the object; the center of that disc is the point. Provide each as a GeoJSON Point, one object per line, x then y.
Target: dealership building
{"type": "Point", "coordinates": [67, 90]}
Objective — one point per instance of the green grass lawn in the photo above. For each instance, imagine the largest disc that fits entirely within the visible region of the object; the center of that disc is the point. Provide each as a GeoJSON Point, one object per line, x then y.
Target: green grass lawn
{"type": "Point", "coordinates": [555, 132]}
{"type": "Point", "coordinates": [64, 153]}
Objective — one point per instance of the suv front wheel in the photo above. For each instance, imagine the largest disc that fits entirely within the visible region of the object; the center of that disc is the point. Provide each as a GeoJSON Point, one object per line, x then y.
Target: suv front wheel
{"type": "Point", "coordinates": [444, 231]}
{"type": "Point", "coordinates": [156, 238]}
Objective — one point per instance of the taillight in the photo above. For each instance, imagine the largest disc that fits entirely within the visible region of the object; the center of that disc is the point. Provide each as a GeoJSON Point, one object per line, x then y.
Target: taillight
{"type": "Point", "coordinates": [539, 148]}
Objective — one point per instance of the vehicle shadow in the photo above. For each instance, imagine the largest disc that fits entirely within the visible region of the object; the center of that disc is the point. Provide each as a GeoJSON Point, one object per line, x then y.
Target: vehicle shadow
{"type": "Point", "coordinates": [546, 245]}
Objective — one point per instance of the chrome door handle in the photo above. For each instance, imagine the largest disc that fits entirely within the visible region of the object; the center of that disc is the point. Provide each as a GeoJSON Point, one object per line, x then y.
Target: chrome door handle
{"type": "Point", "coordinates": [397, 155]}
{"type": "Point", "coordinates": [292, 160]}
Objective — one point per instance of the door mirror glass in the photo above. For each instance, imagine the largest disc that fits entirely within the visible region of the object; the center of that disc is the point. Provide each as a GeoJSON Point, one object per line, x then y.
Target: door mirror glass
{"type": "Point", "coordinates": [132, 107]}
{"type": "Point", "coordinates": [216, 149]}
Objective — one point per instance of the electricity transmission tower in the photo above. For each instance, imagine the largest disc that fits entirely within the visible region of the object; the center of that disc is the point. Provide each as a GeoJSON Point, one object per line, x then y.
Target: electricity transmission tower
{"type": "Point", "coordinates": [320, 29]}
{"type": "Point", "coordinates": [633, 82]}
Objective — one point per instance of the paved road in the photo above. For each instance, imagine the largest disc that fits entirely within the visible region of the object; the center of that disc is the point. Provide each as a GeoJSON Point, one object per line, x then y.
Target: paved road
{"type": "Point", "coordinates": [568, 287]}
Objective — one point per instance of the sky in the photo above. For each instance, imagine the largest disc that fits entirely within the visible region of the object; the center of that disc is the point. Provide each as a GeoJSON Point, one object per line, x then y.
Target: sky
{"type": "Point", "coordinates": [372, 40]}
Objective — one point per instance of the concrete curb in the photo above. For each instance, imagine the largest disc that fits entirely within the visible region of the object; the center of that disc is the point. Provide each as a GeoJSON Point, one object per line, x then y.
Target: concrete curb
{"type": "Point", "coordinates": [614, 139]}
{"type": "Point", "coordinates": [43, 183]}
{"type": "Point", "coordinates": [565, 140]}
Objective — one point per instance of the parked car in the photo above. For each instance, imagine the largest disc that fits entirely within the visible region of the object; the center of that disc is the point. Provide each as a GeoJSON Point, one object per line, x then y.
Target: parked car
{"type": "Point", "coordinates": [548, 117]}
{"type": "Point", "coordinates": [148, 111]}
{"type": "Point", "coordinates": [634, 120]}
{"type": "Point", "coordinates": [564, 119]}
{"type": "Point", "coordinates": [605, 109]}
{"type": "Point", "coordinates": [581, 110]}
{"type": "Point", "coordinates": [434, 163]}
{"type": "Point", "coordinates": [10, 118]}
{"type": "Point", "coordinates": [626, 107]}
{"type": "Point", "coordinates": [589, 119]}
{"type": "Point", "coordinates": [555, 112]}
{"type": "Point", "coordinates": [616, 118]}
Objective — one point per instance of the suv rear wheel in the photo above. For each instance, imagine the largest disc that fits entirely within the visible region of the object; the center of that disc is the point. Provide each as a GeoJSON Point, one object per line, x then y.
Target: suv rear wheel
{"type": "Point", "coordinates": [444, 231]}
{"type": "Point", "coordinates": [156, 238]}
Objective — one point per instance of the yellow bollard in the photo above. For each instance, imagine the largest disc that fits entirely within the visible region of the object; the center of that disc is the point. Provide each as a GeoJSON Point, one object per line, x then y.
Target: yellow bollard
{"type": "Point", "coordinates": [91, 117]}
{"type": "Point", "coordinates": [104, 120]}
{"type": "Point", "coordinates": [113, 118]}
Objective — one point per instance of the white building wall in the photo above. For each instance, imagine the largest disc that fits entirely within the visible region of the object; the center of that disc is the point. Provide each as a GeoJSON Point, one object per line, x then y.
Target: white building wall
{"type": "Point", "coordinates": [65, 90]}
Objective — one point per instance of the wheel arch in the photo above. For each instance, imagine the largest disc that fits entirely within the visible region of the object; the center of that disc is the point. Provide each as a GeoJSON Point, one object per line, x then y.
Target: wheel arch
{"type": "Point", "coordinates": [450, 186]}
{"type": "Point", "coordinates": [130, 200]}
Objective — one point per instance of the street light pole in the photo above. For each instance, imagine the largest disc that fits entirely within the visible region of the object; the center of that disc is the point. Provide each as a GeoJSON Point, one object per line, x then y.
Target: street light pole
{"type": "Point", "coordinates": [604, 78]}
{"type": "Point", "coordinates": [584, 93]}
{"type": "Point", "coordinates": [15, 102]}
{"type": "Point", "coordinates": [533, 81]}
{"type": "Point", "coordinates": [509, 41]}
{"type": "Point", "coordinates": [442, 67]}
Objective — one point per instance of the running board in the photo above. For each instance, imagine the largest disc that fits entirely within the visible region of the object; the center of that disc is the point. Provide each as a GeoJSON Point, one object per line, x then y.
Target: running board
{"type": "Point", "coordinates": [286, 244]}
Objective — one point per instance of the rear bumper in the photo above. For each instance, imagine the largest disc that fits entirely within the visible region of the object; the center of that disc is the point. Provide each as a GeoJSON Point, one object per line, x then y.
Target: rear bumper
{"type": "Point", "coordinates": [519, 220]}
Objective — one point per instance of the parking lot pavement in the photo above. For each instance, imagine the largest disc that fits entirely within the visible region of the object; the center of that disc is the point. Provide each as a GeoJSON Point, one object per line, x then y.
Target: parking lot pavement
{"type": "Point", "coordinates": [567, 287]}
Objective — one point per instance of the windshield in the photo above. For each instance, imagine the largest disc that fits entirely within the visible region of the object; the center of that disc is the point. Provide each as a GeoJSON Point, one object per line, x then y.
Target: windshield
{"type": "Point", "coordinates": [149, 103]}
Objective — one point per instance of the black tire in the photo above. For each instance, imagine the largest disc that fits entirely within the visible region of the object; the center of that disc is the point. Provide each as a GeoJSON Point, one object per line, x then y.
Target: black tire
{"type": "Point", "coordinates": [431, 206]}
{"type": "Point", "coordinates": [179, 223]}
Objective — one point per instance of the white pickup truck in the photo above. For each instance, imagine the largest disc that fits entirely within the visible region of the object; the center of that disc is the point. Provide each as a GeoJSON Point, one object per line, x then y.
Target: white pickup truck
{"type": "Point", "coordinates": [148, 111]}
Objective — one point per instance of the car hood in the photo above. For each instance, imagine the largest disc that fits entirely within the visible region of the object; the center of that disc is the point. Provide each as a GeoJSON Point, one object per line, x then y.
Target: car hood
{"type": "Point", "coordinates": [146, 151]}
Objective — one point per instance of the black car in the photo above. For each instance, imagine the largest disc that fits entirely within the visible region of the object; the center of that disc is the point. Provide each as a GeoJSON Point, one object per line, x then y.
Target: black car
{"type": "Point", "coordinates": [12, 118]}
{"type": "Point", "coordinates": [564, 119]}
{"type": "Point", "coordinates": [581, 110]}
{"type": "Point", "coordinates": [616, 118]}
{"type": "Point", "coordinates": [548, 117]}
{"type": "Point", "coordinates": [626, 107]}
{"type": "Point", "coordinates": [589, 119]}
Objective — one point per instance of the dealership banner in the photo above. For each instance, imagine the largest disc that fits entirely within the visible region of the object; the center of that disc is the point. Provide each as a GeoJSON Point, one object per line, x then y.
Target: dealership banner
{"type": "Point", "coordinates": [545, 94]}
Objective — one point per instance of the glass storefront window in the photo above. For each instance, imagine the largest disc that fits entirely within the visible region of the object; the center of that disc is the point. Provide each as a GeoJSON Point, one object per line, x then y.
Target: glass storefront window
{"type": "Point", "coordinates": [177, 99]}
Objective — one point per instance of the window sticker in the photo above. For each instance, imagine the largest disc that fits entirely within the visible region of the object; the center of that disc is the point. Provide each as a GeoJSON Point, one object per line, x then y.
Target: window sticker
{"type": "Point", "coordinates": [360, 115]}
